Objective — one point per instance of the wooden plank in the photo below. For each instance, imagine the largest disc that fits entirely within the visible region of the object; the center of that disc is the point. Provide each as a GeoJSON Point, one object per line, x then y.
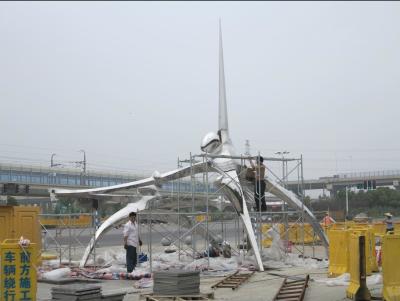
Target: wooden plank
{"type": "Point", "coordinates": [151, 299]}
{"type": "Point", "coordinates": [200, 297]}
{"type": "Point", "coordinates": [290, 289]}
{"type": "Point", "coordinates": [293, 290]}
{"type": "Point", "coordinates": [233, 281]}
{"type": "Point", "coordinates": [282, 296]}
{"type": "Point", "coordinates": [282, 285]}
{"type": "Point", "coordinates": [215, 285]}
{"type": "Point", "coordinates": [304, 288]}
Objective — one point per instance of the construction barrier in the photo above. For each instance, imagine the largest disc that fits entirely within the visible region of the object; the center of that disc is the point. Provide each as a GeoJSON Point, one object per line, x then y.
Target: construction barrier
{"type": "Point", "coordinates": [379, 229]}
{"type": "Point", "coordinates": [66, 221]}
{"type": "Point", "coordinates": [18, 278]}
{"type": "Point", "coordinates": [17, 221]}
{"type": "Point", "coordinates": [294, 234]}
{"type": "Point", "coordinates": [267, 241]}
{"type": "Point", "coordinates": [370, 253]}
{"type": "Point", "coordinates": [338, 252]}
{"type": "Point", "coordinates": [357, 289]}
{"type": "Point", "coordinates": [390, 267]}
{"type": "Point", "coordinates": [202, 218]}
{"type": "Point", "coordinates": [342, 225]}
{"type": "Point", "coordinates": [308, 236]}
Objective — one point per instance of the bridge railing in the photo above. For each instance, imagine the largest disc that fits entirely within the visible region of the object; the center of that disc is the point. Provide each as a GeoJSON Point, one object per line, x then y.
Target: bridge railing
{"type": "Point", "coordinates": [371, 174]}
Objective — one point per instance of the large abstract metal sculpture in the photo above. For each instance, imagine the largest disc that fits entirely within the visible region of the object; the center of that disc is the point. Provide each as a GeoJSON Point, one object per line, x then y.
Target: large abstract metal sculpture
{"type": "Point", "coordinates": [220, 152]}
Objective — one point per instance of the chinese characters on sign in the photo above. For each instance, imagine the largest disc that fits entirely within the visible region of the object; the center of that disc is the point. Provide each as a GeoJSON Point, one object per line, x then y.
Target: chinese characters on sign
{"type": "Point", "coordinates": [17, 275]}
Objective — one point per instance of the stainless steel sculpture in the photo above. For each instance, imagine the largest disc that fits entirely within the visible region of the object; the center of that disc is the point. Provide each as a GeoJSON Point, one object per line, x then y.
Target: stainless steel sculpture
{"type": "Point", "coordinates": [219, 149]}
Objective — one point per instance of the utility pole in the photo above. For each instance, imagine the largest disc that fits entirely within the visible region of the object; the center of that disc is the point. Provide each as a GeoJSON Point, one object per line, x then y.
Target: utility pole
{"type": "Point", "coordinates": [347, 203]}
{"type": "Point", "coordinates": [247, 148]}
{"type": "Point", "coordinates": [84, 161]}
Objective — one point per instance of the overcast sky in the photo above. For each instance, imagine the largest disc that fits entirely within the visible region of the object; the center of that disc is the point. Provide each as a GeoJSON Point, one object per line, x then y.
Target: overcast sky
{"type": "Point", "coordinates": [135, 84]}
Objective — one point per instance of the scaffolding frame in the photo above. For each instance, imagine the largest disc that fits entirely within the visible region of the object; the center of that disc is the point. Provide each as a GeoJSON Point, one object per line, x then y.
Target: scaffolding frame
{"type": "Point", "coordinates": [258, 217]}
{"type": "Point", "coordinates": [56, 241]}
{"type": "Point", "coordinates": [227, 222]}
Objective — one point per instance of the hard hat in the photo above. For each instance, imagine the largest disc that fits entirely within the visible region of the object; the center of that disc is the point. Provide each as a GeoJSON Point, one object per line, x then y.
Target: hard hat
{"type": "Point", "coordinates": [388, 214]}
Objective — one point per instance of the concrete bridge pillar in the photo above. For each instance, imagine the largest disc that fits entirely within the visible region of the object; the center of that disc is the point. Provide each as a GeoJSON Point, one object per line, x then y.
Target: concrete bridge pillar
{"type": "Point", "coordinates": [332, 190]}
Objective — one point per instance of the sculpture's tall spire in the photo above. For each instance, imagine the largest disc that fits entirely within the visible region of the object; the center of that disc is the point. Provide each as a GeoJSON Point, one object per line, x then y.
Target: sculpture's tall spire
{"type": "Point", "coordinates": [223, 113]}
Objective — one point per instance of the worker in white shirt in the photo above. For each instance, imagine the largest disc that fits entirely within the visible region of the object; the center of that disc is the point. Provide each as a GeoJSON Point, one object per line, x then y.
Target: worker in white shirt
{"type": "Point", "coordinates": [131, 242]}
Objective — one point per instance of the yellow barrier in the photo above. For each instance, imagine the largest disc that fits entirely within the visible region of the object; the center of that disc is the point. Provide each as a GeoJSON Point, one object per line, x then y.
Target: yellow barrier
{"type": "Point", "coordinates": [379, 229]}
{"type": "Point", "coordinates": [65, 221]}
{"type": "Point", "coordinates": [370, 255]}
{"type": "Point", "coordinates": [202, 218]}
{"type": "Point", "coordinates": [338, 252]}
{"type": "Point", "coordinates": [357, 289]}
{"type": "Point", "coordinates": [390, 267]}
{"type": "Point", "coordinates": [354, 265]}
{"type": "Point", "coordinates": [267, 241]}
{"type": "Point", "coordinates": [294, 234]}
{"type": "Point", "coordinates": [17, 221]}
{"type": "Point", "coordinates": [18, 273]}
{"type": "Point", "coordinates": [309, 236]}
{"type": "Point", "coordinates": [48, 256]}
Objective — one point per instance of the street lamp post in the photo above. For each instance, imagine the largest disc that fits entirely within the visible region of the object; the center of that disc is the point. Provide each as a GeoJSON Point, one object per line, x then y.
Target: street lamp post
{"type": "Point", "coordinates": [52, 164]}
{"type": "Point", "coordinates": [83, 178]}
{"type": "Point", "coordinates": [84, 160]}
{"type": "Point", "coordinates": [283, 153]}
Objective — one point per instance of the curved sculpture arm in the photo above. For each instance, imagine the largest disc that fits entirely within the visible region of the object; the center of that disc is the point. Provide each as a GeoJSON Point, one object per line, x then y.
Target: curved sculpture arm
{"type": "Point", "coordinates": [114, 220]}
{"type": "Point", "coordinates": [290, 198]}
{"type": "Point", "coordinates": [154, 180]}
{"type": "Point", "coordinates": [230, 186]}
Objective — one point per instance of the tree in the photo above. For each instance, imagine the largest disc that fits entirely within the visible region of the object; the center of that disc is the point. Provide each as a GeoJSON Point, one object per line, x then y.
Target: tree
{"type": "Point", "coordinates": [307, 202]}
{"type": "Point", "coordinates": [372, 202]}
{"type": "Point", "coordinates": [11, 201]}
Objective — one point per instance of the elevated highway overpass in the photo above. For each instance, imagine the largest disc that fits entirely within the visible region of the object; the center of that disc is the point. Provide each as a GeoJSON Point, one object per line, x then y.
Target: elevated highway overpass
{"type": "Point", "coordinates": [34, 181]}
{"type": "Point", "coordinates": [361, 180]}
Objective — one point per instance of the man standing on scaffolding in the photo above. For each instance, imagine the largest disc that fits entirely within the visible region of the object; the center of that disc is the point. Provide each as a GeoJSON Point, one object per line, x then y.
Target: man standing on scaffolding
{"type": "Point", "coordinates": [259, 187]}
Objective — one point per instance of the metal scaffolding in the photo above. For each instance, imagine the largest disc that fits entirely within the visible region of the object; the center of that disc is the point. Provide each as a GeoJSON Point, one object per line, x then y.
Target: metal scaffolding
{"type": "Point", "coordinates": [75, 225]}
{"type": "Point", "coordinates": [197, 220]}
{"type": "Point", "coordinates": [192, 217]}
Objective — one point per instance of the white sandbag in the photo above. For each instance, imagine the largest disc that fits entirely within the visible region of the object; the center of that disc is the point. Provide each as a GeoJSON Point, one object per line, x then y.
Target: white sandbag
{"type": "Point", "coordinates": [57, 274]}
{"type": "Point", "coordinates": [374, 279]}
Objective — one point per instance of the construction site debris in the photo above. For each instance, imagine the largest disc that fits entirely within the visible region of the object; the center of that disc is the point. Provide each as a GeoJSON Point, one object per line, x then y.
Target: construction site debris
{"type": "Point", "coordinates": [344, 280]}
